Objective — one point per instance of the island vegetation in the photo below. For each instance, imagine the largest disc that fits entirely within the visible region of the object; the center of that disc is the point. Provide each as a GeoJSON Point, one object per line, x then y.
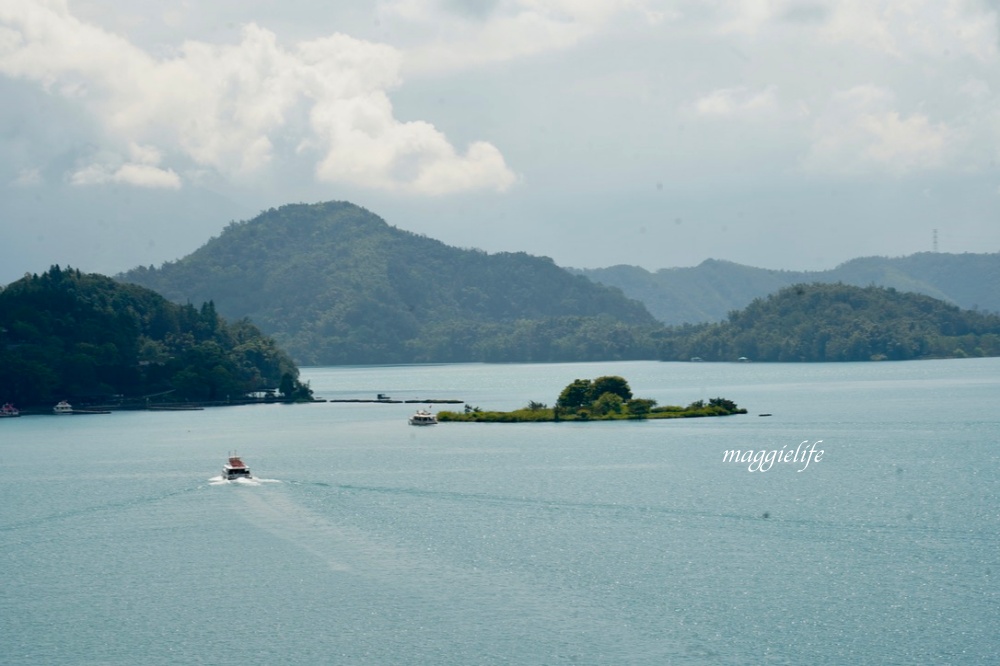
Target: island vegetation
{"type": "Point", "coordinates": [89, 339]}
{"type": "Point", "coordinates": [605, 398]}
{"type": "Point", "coordinates": [836, 322]}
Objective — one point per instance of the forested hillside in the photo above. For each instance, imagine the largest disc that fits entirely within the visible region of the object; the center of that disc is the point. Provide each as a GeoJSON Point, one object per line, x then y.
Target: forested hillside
{"type": "Point", "coordinates": [837, 322]}
{"type": "Point", "coordinates": [335, 284]}
{"type": "Point", "coordinates": [709, 291]}
{"type": "Point", "coordinates": [68, 335]}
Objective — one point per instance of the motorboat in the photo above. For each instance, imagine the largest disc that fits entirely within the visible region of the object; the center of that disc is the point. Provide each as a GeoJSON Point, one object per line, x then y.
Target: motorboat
{"type": "Point", "coordinates": [9, 411]}
{"type": "Point", "coordinates": [63, 407]}
{"type": "Point", "coordinates": [235, 469]}
{"type": "Point", "coordinates": [423, 417]}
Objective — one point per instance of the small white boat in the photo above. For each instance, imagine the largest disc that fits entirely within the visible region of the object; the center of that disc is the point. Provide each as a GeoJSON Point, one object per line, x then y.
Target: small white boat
{"type": "Point", "coordinates": [9, 411]}
{"type": "Point", "coordinates": [235, 469]}
{"type": "Point", "coordinates": [63, 407]}
{"type": "Point", "coordinates": [423, 417]}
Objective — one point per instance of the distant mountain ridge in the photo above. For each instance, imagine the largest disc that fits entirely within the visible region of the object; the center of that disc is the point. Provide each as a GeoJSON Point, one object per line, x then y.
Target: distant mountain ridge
{"type": "Point", "coordinates": [710, 291]}
{"type": "Point", "coordinates": [335, 284]}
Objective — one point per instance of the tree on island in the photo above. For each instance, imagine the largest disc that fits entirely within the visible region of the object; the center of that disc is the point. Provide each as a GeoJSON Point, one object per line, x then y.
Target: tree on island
{"type": "Point", "coordinates": [293, 390]}
{"type": "Point", "coordinates": [585, 392]}
{"type": "Point", "coordinates": [604, 396]}
{"type": "Point", "coordinates": [575, 395]}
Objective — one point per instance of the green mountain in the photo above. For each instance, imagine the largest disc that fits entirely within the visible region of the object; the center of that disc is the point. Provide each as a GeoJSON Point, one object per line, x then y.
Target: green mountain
{"type": "Point", "coordinates": [335, 284]}
{"type": "Point", "coordinates": [88, 338]}
{"type": "Point", "coordinates": [709, 291]}
{"type": "Point", "coordinates": [838, 322]}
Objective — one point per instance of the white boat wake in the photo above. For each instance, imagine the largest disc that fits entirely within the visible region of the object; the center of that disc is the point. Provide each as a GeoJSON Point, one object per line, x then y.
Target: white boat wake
{"type": "Point", "coordinates": [222, 481]}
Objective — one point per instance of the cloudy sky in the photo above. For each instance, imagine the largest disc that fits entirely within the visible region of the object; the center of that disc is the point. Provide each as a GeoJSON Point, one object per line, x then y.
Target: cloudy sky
{"type": "Point", "coordinates": [790, 134]}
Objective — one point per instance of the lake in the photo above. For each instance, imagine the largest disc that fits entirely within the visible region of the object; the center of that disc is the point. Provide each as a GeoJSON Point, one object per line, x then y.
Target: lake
{"type": "Point", "coordinates": [363, 540]}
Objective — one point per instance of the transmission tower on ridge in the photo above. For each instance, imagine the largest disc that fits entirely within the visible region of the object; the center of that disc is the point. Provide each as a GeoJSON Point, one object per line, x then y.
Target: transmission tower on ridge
{"type": "Point", "coordinates": [935, 241]}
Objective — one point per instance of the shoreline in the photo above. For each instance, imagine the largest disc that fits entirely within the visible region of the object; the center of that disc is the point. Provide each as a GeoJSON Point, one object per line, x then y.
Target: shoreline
{"type": "Point", "coordinates": [104, 408]}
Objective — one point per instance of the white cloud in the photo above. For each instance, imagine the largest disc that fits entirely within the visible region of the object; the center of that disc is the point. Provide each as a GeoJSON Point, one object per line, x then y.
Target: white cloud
{"type": "Point", "coordinates": [142, 170]}
{"type": "Point", "coordinates": [482, 163]}
{"type": "Point", "coordinates": [916, 27]}
{"type": "Point", "coordinates": [470, 33]}
{"type": "Point", "coordinates": [27, 178]}
{"type": "Point", "coordinates": [746, 16]}
{"type": "Point", "coordinates": [145, 175]}
{"type": "Point", "coordinates": [236, 108]}
{"type": "Point", "coordinates": [137, 175]}
{"type": "Point", "coordinates": [366, 146]}
{"type": "Point", "coordinates": [145, 154]}
{"type": "Point", "coordinates": [975, 89]}
{"type": "Point", "coordinates": [860, 132]}
{"type": "Point", "coordinates": [738, 101]}
{"type": "Point", "coordinates": [905, 144]}
{"type": "Point", "coordinates": [903, 29]}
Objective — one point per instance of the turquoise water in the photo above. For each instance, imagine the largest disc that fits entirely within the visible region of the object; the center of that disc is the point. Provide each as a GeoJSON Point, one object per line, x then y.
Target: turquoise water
{"type": "Point", "coordinates": [367, 541]}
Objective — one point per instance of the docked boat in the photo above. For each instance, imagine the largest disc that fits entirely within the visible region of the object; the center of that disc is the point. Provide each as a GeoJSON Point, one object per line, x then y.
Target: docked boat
{"type": "Point", "coordinates": [9, 411]}
{"type": "Point", "coordinates": [63, 407]}
{"type": "Point", "coordinates": [423, 417]}
{"type": "Point", "coordinates": [235, 469]}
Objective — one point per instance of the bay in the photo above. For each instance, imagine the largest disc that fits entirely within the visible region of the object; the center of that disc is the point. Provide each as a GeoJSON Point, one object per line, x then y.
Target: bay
{"type": "Point", "coordinates": [366, 541]}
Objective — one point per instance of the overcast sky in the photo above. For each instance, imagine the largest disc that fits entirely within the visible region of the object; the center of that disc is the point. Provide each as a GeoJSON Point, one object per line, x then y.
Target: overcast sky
{"type": "Point", "coordinates": [790, 134]}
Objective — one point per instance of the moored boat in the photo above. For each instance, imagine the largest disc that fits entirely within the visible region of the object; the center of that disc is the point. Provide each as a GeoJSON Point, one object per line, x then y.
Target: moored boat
{"type": "Point", "coordinates": [235, 468]}
{"type": "Point", "coordinates": [423, 417]}
{"type": "Point", "coordinates": [63, 407]}
{"type": "Point", "coordinates": [9, 411]}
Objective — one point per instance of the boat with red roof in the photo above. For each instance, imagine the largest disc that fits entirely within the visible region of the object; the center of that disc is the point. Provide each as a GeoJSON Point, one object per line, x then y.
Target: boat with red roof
{"type": "Point", "coordinates": [9, 411]}
{"type": "Point", "coordinates": [235, 468]}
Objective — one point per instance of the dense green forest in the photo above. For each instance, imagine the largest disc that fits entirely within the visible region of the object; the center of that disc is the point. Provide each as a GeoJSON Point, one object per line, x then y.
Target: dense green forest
{"type": "Point", "coordinates": [837, 322]}
{"type": "Point", "coordinates": [335, 284]}
{"type": "Point", "coordinates": [711, 290]}
{"type": "Point", "coordinates": [87, 338]}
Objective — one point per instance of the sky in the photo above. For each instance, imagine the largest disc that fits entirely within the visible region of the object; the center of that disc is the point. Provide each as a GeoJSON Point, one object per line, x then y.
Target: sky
{"type": "Point", "coordinates": [785, 134]}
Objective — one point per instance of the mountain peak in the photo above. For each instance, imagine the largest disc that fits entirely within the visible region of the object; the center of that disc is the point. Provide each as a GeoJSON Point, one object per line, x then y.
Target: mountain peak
{"type": "Point", "coordinates": [334, 283]}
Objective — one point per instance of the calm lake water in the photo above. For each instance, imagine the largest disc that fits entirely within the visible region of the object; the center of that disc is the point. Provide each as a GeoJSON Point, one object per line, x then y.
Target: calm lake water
{"type": "Point", "coordinates": [368, 541]}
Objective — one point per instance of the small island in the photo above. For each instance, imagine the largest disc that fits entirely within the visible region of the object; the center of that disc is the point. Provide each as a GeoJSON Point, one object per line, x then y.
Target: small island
{"type": "Point", "coordinates": [606, 398]}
